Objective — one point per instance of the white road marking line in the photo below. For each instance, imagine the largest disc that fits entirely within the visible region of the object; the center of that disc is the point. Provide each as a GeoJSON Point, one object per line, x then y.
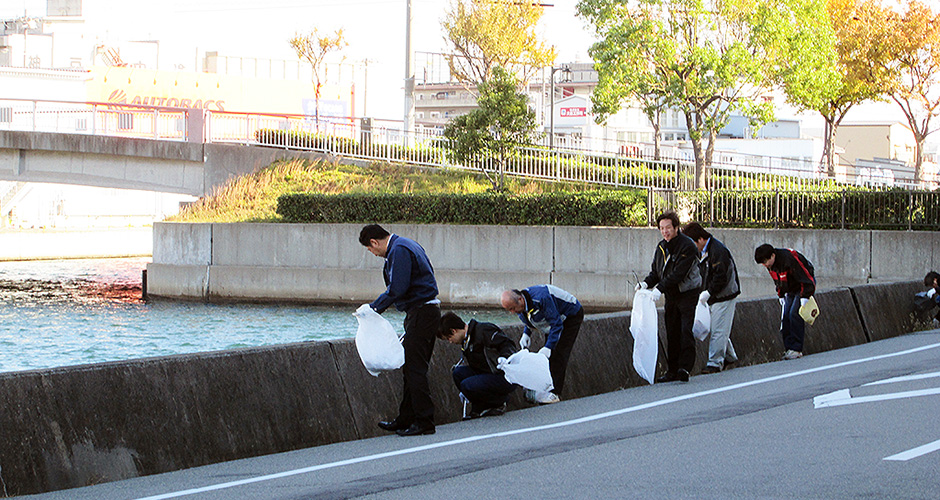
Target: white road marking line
{"type": "Point", "coordinates": [915, 452]}
{"type": "Point", "coordinates": [589, 418]}
{"type": "Point", "coordinates": [905, 379]}
{"type": "Point", "coordinates": [842, 398]}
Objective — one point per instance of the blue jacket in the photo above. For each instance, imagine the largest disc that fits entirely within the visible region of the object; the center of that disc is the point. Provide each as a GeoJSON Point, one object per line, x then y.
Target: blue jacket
{"type": "Point", "coordinates": [546, 308]}
{"type": "Point", "coordinates": [408, 275]}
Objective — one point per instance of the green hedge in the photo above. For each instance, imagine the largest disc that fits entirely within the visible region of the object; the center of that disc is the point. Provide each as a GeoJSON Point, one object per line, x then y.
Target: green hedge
{"type": "Point", "coordinates": [594, 208]}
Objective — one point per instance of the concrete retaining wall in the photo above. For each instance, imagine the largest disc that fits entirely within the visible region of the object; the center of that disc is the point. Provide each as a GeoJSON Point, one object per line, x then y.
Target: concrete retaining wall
{"type": "Point", "coordinates": [82, 425]}
{"type": "Point", "coordinates": [325, 263]}
{"type": "Point", "coordinates": [79, 244]}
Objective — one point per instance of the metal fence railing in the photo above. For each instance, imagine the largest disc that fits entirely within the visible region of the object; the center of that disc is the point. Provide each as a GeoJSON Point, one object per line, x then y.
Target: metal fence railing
{"type": "Point", "coordinates": [741, 190]}
{"type": "Point", "coordinates": [96, 118]}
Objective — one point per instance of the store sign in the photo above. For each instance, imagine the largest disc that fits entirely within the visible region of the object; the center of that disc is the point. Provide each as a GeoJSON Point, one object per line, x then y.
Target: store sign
{"type": "Point", "coordinates": [573, 112]}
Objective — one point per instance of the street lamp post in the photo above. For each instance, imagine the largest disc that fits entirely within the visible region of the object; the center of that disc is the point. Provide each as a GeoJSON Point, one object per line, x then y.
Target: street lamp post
{"type": "Point", "coordinates": [551, 119]}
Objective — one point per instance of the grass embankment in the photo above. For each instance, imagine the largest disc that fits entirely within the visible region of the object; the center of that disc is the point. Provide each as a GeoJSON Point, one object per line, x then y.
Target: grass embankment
{"type": "Point", "coordinates": [253, 198]}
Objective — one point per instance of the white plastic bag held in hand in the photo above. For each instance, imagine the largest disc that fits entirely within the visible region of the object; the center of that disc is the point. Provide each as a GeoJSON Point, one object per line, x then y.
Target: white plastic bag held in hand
{"type": "Point", "coordinates": [378, 345]}
{"type": "Point", "coordinates": [643, 326]}
{"type": "Point", "coordinates": [528, 369]}
{"type": "Point", "coordinates": [703, 321]}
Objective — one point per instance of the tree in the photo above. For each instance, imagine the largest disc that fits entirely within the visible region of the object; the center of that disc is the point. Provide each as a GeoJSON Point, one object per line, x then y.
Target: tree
{"type": "Point", "coordinates": [313, 48]}
{"type": "Point", "coordinates": [693, 55]}
{"type": "Point", "coordinates": [484, 34]}
{"type": "Point", "coordinates": [914, 38]}
{"type": "Point", "coordinates": [491, 134]}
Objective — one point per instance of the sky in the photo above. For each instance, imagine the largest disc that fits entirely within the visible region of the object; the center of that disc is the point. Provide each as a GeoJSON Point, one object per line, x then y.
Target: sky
{"type": "Point", "coordinates": [374, 29]}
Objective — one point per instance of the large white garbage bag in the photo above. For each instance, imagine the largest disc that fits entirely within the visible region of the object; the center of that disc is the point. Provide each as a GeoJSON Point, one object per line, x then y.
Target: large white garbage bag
{"type": "Point", "coordinates": [378, 345]}
{"type": "Point", "coordinates": [703, 321]}
{"type": "Point", "coordinates": [528, 369]}
{"type": "Point", "coordinates": [644, 324]}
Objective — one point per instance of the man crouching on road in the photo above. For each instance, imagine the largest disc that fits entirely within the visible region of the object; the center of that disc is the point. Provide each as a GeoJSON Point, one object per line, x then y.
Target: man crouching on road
{"type": "Point", "coordinates": [478, 379]}
{"type": "Point", "coordinates": [547, 307]}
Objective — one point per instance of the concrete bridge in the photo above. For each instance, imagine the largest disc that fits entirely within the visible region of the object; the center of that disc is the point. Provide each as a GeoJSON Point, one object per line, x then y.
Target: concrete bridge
{"type": "Point", "coordinates": [166, 166]}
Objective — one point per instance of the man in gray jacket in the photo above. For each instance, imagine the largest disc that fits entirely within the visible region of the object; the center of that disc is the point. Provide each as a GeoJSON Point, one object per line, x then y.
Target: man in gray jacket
{"type": "Point", "coordinates": [676, 275]}
{"type": "Point", "coordinates": [720, 290]}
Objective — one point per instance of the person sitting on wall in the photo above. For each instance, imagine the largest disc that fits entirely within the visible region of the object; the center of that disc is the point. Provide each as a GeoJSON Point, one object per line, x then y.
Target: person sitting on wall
{"type": "Point", "coordinates": [932, 282]}
{"type": "Point", "coordinates": [476, 375]}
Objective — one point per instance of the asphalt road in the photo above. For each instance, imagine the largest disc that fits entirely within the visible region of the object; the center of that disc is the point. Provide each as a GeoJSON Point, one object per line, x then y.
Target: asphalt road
{"type": "Point", "coordinates": [862, 422]}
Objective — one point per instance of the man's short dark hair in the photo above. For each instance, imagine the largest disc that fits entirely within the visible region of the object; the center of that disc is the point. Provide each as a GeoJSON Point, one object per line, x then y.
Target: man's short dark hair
{"type": "Point", "coordinates": [449, 321]}
{"type": "Point", "coordinates": [932, 275]}
{"type": "Point", "coordinates": [695, 231]}
{"type": "Point", "coordinates": [671, 216]}
{"type": "Point", "coordinates": [763, 253]}
{"type": "Point", "coordinates": [372, 232]}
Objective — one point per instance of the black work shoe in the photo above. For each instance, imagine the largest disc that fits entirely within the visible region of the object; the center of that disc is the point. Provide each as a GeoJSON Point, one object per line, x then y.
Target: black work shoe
{"type": "Point", "coordinates": [494, 411]}
{"type": "Point", "coordinates": [392, 425]}
{"type": "Point", "coordinates": [682, 375]}
{"type": "Point", "coordinates": [668, 377]}
{"type": "Point", "coordinates": [710, 369]}
{"type": "Point", "coordinates": [417, 430]}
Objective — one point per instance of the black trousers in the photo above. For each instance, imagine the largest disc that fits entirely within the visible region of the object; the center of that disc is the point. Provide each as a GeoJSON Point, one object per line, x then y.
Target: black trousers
{"type": "Point", "coordinates": [680, 344]}
{"type": "Point", "coordinates": [421, 324]}
{"type": "Point", "coordinates": [558, 362]}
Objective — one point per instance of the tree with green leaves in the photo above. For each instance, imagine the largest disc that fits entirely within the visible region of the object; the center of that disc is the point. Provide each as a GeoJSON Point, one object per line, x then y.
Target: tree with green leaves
{"type": "Point", "coordinates": [313, 48]}
{"type": "Point", "coordinates": [696, 56]}
{"type": "Point", "coordinates": [915, 43]}
{"type": "Point", "coordinates": [484, 34]}
{"type": "Point", "coordinates": [487, 137]}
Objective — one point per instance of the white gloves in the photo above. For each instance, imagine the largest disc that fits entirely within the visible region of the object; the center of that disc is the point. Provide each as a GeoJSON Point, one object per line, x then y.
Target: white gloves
{"type": "Point", "coordinates": [656, 294]}
{"type": "Point", "coordinates": [803, 302]}
{"type": "Point", "coordinates": [640, 286]}
{"type": "Point", "coordinates": [931, 292]}
{"type": "Point", "coordinates": [500, 364]}
{"type": "Point", "coordinates": [783, 302]}
{"type": "Point", "coordinates": [545, 352]}
{"type": "Point", "coordinates": [704, 296]}
{"type": "Point", "coordinates": [525, 341]}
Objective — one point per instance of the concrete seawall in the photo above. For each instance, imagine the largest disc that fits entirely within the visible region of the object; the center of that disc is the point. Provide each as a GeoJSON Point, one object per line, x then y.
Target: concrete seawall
{"type": "Point", "coordinates": [75, 426]}
{"type": "Point", "coordinates": [325, 263]}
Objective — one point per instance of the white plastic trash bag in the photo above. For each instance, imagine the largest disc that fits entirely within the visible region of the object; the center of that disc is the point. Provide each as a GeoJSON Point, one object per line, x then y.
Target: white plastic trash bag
{"type": "Point", "coordinates": [378, 345]}
{"type": "Point", "coordinates": [644, 324]}
{"type": "Point", "coordinates": [703, 321]}
{"type": "Point", "coordinates": [528, 369]}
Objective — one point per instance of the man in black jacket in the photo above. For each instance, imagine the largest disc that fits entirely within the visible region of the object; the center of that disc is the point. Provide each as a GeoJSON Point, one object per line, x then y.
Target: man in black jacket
{"type": "Point", "coordinates": [720, 290]}
{"type": "Point", "coordinates": [476, 375]}
{"type": "Point", "coordinates": [676, 275]}
{"type": "Point", "coordinates": [794, 278]}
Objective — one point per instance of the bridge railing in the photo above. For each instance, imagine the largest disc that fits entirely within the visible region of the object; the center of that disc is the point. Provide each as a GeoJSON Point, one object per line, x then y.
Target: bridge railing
{"type": "Point", "coordinates": [97, 118]}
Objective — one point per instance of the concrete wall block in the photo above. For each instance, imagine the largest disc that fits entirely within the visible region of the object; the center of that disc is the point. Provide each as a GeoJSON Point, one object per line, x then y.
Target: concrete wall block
{"type": "Point", "coordinates": [903, 255]}
{"type": "Point", "coordinates": [755, 332]}
{"type": "Point", "coordinates": [838, 324]}
{"type": "Point", "coordinates": [177, 281]}
{"type": "Point", "coordinates": [887, 310]}
{"type": "Point", "coordinates": [292, 284]}
{"type": "Point", "coordinates": [470, 288]}
{"type": "Point", "coordinates": [180, 243]}
{"type": "Point", "coordinates": [602, 358]}
{"type": "Point", "coordinates": [598, 290]}
{"type": "Point", "coordinates": [605, 250]}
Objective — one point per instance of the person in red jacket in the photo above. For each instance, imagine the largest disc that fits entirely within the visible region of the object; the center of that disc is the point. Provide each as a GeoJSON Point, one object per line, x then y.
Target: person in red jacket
{"type": "Point", "coordinates": [794, 277]}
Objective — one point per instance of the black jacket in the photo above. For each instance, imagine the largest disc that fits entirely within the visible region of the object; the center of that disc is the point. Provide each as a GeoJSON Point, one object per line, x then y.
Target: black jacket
{"type": "Point", "coordinates": [793, 273]}
{"type": "Point", "coordinates": [484, 345]}
{"type": "Point", "coordinates": [719, 273]}
{"type": "Point", "coordinates": [675, 270]}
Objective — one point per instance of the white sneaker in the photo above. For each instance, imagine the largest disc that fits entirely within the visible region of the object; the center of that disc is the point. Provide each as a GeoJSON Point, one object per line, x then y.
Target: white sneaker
{"type": "Point", "coordinates": [791, 354]}
{"type": "Point", "coordinates": [546, 397]}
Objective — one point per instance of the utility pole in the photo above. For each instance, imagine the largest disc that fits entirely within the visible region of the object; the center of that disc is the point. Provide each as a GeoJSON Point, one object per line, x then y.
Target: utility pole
{"type": "Point", "coordinates": [409, 122]}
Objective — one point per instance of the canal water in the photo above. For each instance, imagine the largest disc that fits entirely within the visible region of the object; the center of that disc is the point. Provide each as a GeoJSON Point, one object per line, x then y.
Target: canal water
{"type": "Point", "coordinates": [70, 312]}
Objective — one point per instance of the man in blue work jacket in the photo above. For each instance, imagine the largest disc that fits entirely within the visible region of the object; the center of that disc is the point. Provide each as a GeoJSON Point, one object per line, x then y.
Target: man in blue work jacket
{"type": "Point", "coordinates": [412, 289]}
{"type": "Point", "coordinates": [558, 315]}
